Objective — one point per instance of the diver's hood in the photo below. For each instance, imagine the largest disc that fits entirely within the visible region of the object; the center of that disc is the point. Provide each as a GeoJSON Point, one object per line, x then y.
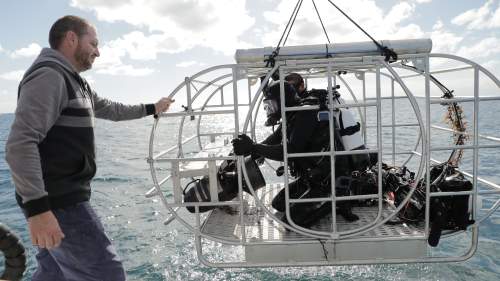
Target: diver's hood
{"type": "Point", "coordinates": [272, 101]}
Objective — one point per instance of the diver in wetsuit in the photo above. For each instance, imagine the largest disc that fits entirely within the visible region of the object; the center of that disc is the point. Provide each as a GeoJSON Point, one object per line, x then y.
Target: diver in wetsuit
{"type": "Point", "coordinates": [305, 133]}
{"type": "Point", "coordinates": [298, 83]}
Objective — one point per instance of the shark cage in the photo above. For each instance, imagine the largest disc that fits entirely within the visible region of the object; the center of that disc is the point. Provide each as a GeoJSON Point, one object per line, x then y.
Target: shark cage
{"type": "Point", "coordinates": [399, 104]}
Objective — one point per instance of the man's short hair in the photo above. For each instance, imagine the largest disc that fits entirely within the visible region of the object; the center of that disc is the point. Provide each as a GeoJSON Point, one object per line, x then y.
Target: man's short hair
{"type": "Point", "coordinates": [67, 23]}
{"type": "Point", "coordinates": [295, 79]}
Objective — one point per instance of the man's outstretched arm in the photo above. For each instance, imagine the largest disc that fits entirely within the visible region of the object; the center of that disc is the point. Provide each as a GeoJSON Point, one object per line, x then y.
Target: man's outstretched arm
{"type": "Point", "coordinates": [115, 111]}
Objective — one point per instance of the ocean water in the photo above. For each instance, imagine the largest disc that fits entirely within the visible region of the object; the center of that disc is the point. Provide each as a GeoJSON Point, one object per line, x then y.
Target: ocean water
{"type": "Point", "coordinates": [152, 251]}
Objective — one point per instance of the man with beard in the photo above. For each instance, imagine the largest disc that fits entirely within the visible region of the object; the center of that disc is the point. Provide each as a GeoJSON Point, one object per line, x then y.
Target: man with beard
{"type": "Point", "coordinates": [51, 154]}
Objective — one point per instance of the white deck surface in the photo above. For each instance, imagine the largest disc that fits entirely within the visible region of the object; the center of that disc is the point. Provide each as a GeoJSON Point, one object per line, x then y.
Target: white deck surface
{"type": "Point", "coordinates": [259, 227]}
{"type": "Point", "coordinates": [268, 242]}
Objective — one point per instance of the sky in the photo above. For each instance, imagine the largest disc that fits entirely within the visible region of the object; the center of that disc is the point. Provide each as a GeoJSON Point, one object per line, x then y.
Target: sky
{"type": "Point", "coordinates": [148, 46]}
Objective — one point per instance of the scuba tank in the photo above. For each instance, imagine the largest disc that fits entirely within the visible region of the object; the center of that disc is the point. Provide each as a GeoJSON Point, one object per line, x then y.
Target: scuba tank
{"type": "Point", "coordinates": [349, 129]}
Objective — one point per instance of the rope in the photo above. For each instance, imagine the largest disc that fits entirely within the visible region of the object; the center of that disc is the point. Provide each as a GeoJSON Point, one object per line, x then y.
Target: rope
{"type": "Point", "coordinates": [295, 10]}
{"type": "Point", "coordinates": [322, 25]}
{"type": "Point", "coordinates": [389, 54]}
{"type": "Point", "coordinates": [270, 61]}
{"type": "Point", "coordinates": [294, 17]}
{"type": "Point", "coordinates": [453, 116]}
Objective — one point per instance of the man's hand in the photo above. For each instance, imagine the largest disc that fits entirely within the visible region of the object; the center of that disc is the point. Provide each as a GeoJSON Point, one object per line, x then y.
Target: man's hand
{"type": "Point", "coordinates": [45, 231]}
{"type": "Point", "coordinates": [243, 145]}
{"type": "Point", "coordinates": [163, 104]}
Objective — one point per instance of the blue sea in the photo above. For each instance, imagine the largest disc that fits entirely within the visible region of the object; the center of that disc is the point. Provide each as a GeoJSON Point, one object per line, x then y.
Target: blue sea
{"type": "Point", "coordinates": [152, 251]}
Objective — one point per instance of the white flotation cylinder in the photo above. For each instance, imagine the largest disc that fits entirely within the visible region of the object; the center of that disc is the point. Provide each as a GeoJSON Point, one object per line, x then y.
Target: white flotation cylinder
{"type": "Point", "coordinates": [401, 47]}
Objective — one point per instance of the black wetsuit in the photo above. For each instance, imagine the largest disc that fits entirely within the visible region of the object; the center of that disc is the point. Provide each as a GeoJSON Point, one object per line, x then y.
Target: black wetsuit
{"type": "Point", "coordinates": [313, 174]}
{"type": "Point", "coordinates": [304, 134]}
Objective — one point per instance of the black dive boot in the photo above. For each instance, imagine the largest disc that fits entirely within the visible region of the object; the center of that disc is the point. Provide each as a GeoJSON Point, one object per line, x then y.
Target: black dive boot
{"type": "Point", "coordinates": [303, 214]}
{"type": "Point", "coordinates": [345, 210]}
{"type": "Point", "coordinates": [307, 214]}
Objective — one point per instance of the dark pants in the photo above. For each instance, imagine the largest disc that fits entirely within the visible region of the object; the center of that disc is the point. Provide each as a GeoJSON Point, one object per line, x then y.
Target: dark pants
{"type": "Point", "coordinates": [84, 254]}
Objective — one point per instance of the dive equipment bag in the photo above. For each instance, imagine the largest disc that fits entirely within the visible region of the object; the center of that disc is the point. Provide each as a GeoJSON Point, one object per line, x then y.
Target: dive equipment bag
{"type": "Point", "coordinates": [227, 184]}
{"type": "Point", "coordinates": [448, 212]}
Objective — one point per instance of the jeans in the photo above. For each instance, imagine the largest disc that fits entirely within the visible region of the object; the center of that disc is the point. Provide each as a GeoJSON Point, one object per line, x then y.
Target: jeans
{"type": "Point", "coordinates": [85, 253]}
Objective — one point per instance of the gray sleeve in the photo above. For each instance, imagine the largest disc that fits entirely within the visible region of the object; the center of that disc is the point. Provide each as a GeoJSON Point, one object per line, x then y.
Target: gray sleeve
{"type": "Point", "coordinates": [41, 100]}
{"type": "Point", "coordinates": [115, 111]}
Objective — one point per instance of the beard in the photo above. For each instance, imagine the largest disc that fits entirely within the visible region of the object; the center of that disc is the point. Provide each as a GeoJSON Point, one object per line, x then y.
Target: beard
{"type": "Point", "coordinates": [82, 57]}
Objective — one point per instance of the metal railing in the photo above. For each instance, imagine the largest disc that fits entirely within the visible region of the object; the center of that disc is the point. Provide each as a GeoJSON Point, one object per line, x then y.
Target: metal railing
{"type": "Point", "coordinates": [363, 65]}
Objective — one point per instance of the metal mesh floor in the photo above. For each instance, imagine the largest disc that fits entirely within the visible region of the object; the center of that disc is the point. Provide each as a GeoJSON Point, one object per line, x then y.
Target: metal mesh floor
{"type": "Point", "coordinates": [260, 227]}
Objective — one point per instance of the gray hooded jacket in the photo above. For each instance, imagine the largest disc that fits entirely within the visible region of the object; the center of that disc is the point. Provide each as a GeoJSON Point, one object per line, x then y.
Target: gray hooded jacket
{"type": "Point", "coordinates": [50, 149]}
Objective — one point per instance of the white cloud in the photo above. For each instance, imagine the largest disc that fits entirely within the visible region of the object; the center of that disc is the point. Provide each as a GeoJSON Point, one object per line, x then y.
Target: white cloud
{"type": "Point", "coordinates": [307, 29]}
{"type": "Point", "coordinates": [140, 47]}
{"type": "Point", "coordinates": [134, 46]}
{"type": "Point", "coordinates": [408, 32]}
{"type": "Point", "coordinates": [176, 25]}
{"type": "Point", "coordinates": [438, 25]}
{"type": "Point", "coordinates": [482, 49]}
{"type": "Point", "coordinates": [126, 70]}
{"type": "Point", "coordinates": [480, 18]}
{"type": "Point", "coordinates": [15, 75]}
{"type": "Point", "coordinates": [495, 20]}
{"type": "Point", "coordinates": [170, 27]}
{"type": "Point", "coordinates": [1, 49]}
{"type": "Point", "coordinates": [189, 63]}
{"type": "Point", "coordinates": [399, 12]}
{"type": "Point", "coordinates": [493, 66]}
{"type": "Point", "coordinates": [32, 50]}
{"type": "Point", "coordinates": [444, 41]}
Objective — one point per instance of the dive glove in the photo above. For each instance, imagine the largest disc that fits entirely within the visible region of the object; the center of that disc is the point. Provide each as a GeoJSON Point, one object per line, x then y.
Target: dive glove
{"type": "Point", "coordinates": [243, 145]}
